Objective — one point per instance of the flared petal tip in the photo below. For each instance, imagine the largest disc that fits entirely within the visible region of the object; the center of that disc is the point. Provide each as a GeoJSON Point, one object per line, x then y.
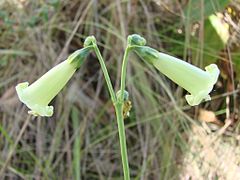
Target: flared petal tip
{"type": "Point", "coordinates": [194, 100]}
{"type": "Point", "coordinates": [35, 109]}
{"type": "Point", "coordinates": [214, 72]}
{"type": "Point", "coordinates": [38, 110]}
{"type": "Point", "coordinates": [203, 95]}
{"type": "Point", "coordinates": [20, 88]}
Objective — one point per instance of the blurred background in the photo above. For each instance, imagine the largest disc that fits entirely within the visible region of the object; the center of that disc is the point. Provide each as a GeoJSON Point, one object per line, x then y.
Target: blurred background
{"type": "Point", "coordinates": [166, 138]}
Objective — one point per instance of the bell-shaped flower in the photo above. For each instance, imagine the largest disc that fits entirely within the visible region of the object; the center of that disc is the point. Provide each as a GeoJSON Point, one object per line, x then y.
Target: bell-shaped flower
{"type": "Point", "coordinates": [38, 95]}
{"type": "Point", "coordinates": [197, 82]}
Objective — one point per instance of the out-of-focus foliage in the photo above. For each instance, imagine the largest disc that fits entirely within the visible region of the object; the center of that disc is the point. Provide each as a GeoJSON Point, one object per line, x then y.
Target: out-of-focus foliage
{"type": "Point", "coordinates": [198, 9]}
{"type": "Point", "coordinates": [82, 135]}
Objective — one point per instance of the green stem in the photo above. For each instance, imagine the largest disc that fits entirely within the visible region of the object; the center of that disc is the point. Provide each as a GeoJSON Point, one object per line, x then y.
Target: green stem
{"type": "Point", "coordinates": [118, 104]}
{"type": "Point", "coordinates": [120, 119]}
{"type": "Point", "coordinates": [122, 138]}
{"type": "Point", "coordinates": [124, 72]}
{"type": "Point", "coordinates": [105, 73]}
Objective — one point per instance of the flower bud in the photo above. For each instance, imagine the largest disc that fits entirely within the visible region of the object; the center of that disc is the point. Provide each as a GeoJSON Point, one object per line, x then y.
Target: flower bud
{"type": "Point", "coordinates": [136, 39]}
{"type": "Point", "coordinates": [89, 41]}
{"type": "Point", "coordinates": [125, 95]}
{"type": "Point", "coordinates": [38, 95]}
{"type": "Point", "coordinates": [197, 82]}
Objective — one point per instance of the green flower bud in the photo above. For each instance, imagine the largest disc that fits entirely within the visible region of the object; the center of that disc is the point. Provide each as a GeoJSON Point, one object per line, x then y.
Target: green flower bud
{"type": "Point", "coordinates": [38, 95]}
{"type": "Point", "coordinates": [89, 41]}
{"type": "Point", "coordinates": [136, 39]}
{"type": "Point", "coordinates": [197, 82]}
{"type": "Point", "coordinates": [125, 95]}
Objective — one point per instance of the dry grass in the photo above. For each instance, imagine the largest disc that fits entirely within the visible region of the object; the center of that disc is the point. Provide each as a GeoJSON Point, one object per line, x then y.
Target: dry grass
{"type": "Point", "coordinates": [212, 154]}
{"type": "Point", "coordinates": [165, 139]}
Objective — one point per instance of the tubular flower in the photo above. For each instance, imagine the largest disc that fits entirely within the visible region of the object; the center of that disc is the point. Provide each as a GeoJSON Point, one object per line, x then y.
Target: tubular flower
{"type": "Point", "coordinates": [38, 95]}
{"type": "Point", "coordinates": [197, 82]}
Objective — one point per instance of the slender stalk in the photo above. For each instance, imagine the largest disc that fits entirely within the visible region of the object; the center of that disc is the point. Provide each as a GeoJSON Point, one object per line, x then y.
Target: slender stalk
{"type": "Point", "coordinates": [120, 119]}
{"type": "Point", "coordinates": [118, 104]}
{"type": "Point", "coordinates": [105, 73]}
{"type": "Point", "coordinates": [122, 138]}
{"type": "Point", "coordinates": [124, 72]}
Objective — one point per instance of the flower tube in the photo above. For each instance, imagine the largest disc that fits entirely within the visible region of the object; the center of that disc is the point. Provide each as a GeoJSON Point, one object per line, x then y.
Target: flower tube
{"type": "Point", "coordinates": [197, 82]}
{"type": "Point", "coordinates": [38, 95]}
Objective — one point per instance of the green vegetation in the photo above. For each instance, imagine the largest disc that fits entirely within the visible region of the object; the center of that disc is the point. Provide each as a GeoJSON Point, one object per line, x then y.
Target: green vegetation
{"type": "Point", "coordinates": [165, 138]}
